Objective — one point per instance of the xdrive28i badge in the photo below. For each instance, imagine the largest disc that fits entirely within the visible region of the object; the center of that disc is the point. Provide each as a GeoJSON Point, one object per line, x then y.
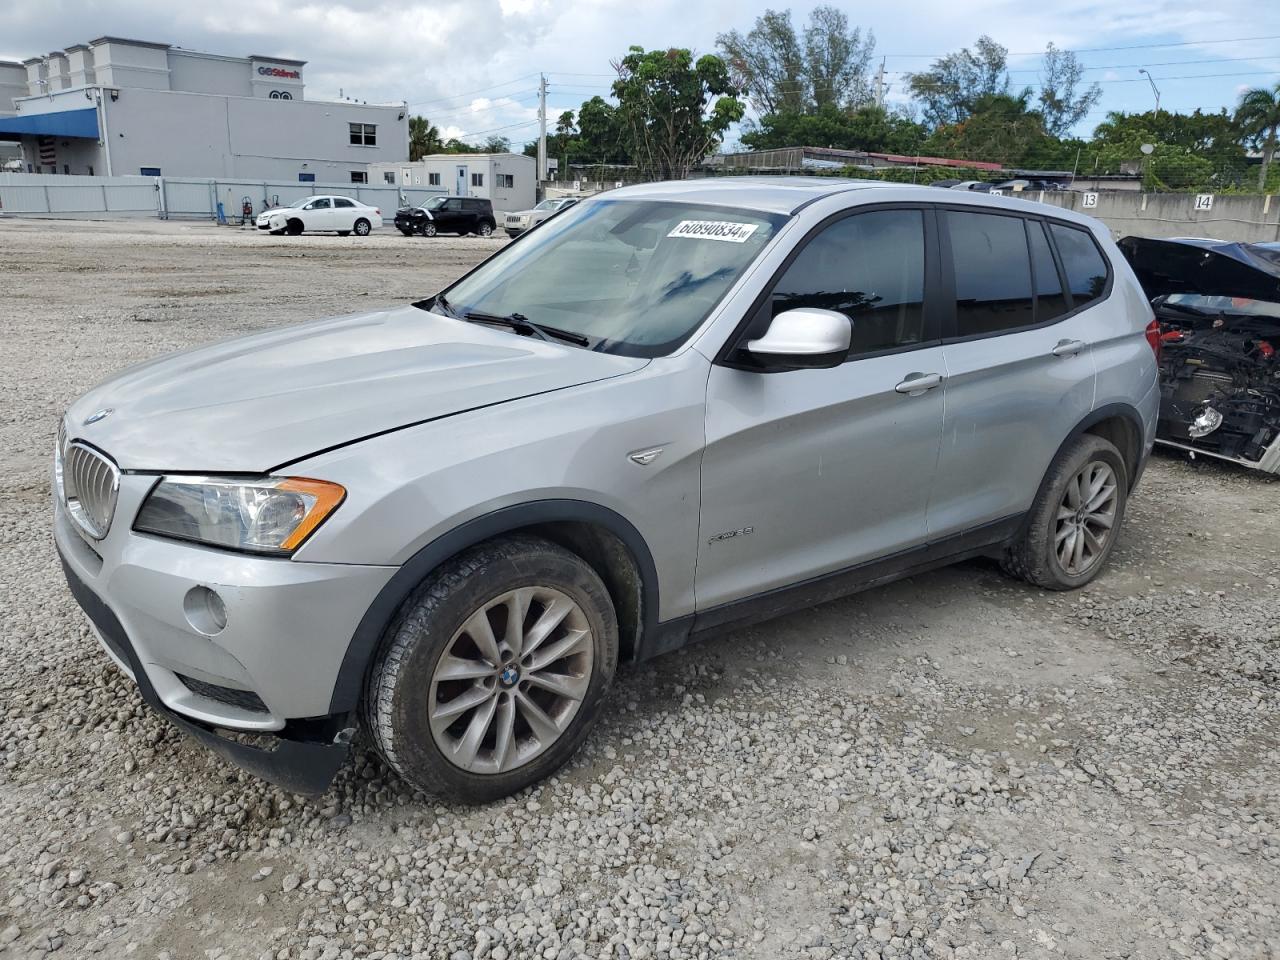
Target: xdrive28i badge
{"type": "Point", "coordinates": [730, 534]}
{"type": "Point", "coordinates": [98, 416]}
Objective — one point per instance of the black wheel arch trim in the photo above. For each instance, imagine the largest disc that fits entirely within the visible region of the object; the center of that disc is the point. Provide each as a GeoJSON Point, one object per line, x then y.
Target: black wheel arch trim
{"type": "Point", "coordinates": [1111, 411]}
{"type": "Point", "coordinates": [369, 632]}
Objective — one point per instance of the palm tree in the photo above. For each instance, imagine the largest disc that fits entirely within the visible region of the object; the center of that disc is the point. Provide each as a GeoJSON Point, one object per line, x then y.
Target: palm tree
{"type": "Point", "coordinates": [1258, 118]}
{"type": "Point", "coordinates": [423, 138]}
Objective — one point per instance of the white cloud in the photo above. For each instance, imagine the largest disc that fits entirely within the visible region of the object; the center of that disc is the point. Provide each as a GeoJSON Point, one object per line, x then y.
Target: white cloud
{"type": "Point", "coordinates": [472, 65]}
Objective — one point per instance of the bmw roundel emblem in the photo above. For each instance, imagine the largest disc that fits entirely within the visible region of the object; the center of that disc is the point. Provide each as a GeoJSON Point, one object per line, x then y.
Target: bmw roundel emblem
{"type": "Point", "coordinates": [509, 676]}
{"type": "Point", "coordinates": [99, 416]}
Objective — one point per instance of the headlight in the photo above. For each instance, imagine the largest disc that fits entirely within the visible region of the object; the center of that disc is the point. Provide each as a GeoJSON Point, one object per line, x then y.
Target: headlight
{"type": "Point", "coordinates": [272, 516]}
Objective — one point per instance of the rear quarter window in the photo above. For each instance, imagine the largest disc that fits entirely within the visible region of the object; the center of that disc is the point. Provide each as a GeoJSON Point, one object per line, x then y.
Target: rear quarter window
{"type": "Point", "coordinates": [1082, 261]}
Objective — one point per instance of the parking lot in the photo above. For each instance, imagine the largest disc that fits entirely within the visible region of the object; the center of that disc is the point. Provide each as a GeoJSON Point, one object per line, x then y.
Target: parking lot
{"type": "Point", "coordinates": [957, 765]}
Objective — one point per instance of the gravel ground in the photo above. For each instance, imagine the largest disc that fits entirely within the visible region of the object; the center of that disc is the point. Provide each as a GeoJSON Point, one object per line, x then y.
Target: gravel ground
{"type": "Point", "coordinates": [952, 766]}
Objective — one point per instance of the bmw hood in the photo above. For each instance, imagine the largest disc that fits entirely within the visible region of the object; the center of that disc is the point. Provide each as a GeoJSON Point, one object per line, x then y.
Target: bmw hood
{"type": "Point", "coordinates": [1211, 268]}
{"type": "Point", "coordinates": [255, 403]}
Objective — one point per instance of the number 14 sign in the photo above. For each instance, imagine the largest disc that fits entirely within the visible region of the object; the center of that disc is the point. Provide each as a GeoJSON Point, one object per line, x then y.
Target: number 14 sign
{"type": "Point", "coordinates": [1204, 201]}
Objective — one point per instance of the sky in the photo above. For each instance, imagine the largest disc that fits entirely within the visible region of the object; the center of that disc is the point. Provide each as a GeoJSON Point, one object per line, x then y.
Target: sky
{"type": "Point", "coordinates": [472, 66]}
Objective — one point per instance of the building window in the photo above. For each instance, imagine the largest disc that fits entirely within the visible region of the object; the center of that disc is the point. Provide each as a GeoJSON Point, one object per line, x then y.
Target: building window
{"type": "Point", "coordinates": [477, 179]}
{"type": "Point", "coordinates": [433, 179]}
{"type": "Point", "coordinates": [359, 176]}
{"type": "Point", "coordinates": [284, 95]}
{"type": "Point", "coordinates": [506, 181]}
{"type": "Point", "coordinates": [150, 171]}
{"type": "Point", "coordinates": [389, 176]}
{"type": "Point", "coordinates": [363, 134]}
{"type": "Point", "coordinates": [306, 178]}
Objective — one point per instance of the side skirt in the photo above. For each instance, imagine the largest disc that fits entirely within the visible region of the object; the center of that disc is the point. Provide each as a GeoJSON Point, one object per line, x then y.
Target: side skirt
{"type": "Point", "coordinates": [986, 540]}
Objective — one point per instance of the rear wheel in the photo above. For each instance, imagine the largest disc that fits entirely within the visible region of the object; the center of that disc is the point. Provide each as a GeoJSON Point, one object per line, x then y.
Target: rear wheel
{"type": "Point", "coordinates": [362, 227]}
{"type": "Point", "coordinates": [1075, 518]}
{"type": "Point", "coordinates": [494, 671]}
{"type": "Point", "coordinates": [485, 229]}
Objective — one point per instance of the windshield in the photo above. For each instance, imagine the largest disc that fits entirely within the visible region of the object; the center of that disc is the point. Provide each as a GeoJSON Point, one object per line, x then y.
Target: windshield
{"type": "Point", "coordinates": [548, 204]}
{"type": "Point", "coordinates": [637, 277]}
{"type": "Point", "coordinates": [299, 204]}
{"type": "Point", "coordinates": [435, 203]}
{"type": "Point", "coordinates": [1214, 305]}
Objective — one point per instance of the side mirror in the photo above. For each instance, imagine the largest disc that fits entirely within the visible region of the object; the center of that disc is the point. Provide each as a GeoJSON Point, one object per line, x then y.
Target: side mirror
{"type": "Point", "coordinates": [804, 337]}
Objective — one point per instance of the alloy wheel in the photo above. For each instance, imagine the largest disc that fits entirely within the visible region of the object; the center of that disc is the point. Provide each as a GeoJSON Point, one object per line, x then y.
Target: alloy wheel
{"type": "Point", "coordinates": [1086, 517]}
{"type": "Point", "coordinates": [511, 680]}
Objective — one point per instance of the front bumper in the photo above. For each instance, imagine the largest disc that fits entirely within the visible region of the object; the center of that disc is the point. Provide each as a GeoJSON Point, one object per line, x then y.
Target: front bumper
{"type": "Point", "coordinates": [271, 671]}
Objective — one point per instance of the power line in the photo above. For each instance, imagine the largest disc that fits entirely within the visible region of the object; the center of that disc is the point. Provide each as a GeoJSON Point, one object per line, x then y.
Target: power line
{"type": "Point", "coordinates": [1136, 46]}
{"type": "Point", "coordinates": [505, 83]}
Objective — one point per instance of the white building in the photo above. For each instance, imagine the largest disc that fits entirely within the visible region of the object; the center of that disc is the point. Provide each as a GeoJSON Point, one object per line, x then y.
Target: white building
{"type": "Point", "coordinates": [119, 107]}
{"type": "Point", "coordinates": [509, 180]}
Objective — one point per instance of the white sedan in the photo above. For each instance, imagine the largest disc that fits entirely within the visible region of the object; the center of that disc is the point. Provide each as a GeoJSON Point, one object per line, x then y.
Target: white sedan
{"type": "Point", "coordinates": [341, 215]}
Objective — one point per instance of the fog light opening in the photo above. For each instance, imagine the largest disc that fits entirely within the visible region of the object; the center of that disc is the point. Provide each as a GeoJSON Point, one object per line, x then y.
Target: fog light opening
{"type": "Point", "coordinates": [205, 611]}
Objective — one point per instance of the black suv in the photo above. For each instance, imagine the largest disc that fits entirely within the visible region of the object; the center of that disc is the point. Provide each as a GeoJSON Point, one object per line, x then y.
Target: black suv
{"type": "Point", "coordinates": [447, 215]}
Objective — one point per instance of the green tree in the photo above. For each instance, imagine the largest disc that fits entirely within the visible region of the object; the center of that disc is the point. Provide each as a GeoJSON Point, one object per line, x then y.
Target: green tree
{"type": "Point", "coordinates": [871, 128]}
{"type": "Point", "coordinates": [673, 109]}
{"type": "Point", "coordinates": [600, 132]}
{"type": "Point", "coordinates": [999, 128]}
{"type": "Point", "coordinates": [1060, 105]}
{"type": "Point", "coordinates": [565, 125]}
{"type": "Point", "coordinates": [496, 144]}
{"type": "Point", "coordinates": [1258, 118]}
{"type": "Point", "coordinates": [1190, 150]}
{"type": "Point", "coordinates": [423, 138]}
{"type": "Point", "coordinates": [780, 71]}
{"type": "Point", "coordinates": [949, 90]}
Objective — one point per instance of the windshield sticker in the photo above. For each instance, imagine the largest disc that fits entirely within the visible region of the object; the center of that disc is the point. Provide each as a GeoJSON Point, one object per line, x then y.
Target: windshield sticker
{"type": "Point", "coordinates": [714, 230]}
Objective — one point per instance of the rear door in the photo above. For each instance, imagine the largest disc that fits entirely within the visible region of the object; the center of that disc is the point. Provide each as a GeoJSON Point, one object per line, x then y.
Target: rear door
{"type": "Point", "coordinates": [808, 472]}
{"type": "Point", "coordinates": [1019, 367]}
{"type": "Point", "coordinates": [344, 213]}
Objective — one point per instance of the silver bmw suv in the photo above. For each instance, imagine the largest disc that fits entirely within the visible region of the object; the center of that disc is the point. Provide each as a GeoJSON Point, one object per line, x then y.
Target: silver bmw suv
{"type": "Point", "coordinates": [671, 410]}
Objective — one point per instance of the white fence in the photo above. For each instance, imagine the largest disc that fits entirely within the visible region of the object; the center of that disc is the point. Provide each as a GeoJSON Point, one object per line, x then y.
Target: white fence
{"type": "Point", "coordinates": [179, 197]}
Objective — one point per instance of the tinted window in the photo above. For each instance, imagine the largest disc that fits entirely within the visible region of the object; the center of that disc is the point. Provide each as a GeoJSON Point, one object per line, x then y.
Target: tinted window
{"type": "Point", "coordinates": [320, 204]}
{"type": "Point", "coordinates": [992, 271]}
{"type": "Point", "coordinates": [869, 267]}
{"type": "Point", "coordinates": [342, 202]}
{"type": "Point", "coordinates": [1082, 261]}
{"type": "Point", "coordinates": [1050, 300]}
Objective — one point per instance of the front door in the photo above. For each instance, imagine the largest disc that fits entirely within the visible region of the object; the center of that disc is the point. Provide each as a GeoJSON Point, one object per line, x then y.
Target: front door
{"type": "Point", "coordinates": [1019, 364]}
{"type": "Point", "coordinates": [807, 472]}
{"type": "Point", "coordinates": [461, 191]}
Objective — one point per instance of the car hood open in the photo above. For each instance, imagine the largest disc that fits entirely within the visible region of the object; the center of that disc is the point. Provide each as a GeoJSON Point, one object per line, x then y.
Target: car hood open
{"type": "Point", "coordinates": [255, 403]}
{"type": "Point", "coordinates": [1211, 268]}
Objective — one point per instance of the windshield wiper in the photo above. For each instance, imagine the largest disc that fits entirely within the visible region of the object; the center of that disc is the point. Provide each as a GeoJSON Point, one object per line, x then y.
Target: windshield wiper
{"type": "Point", "coordinates": [522, 324]}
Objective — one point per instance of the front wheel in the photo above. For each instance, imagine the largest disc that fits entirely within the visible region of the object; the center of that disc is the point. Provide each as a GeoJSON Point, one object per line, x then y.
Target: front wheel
{"type": "Point", "coordinates": [1075, 518]}
{"type": "Point", "coordinates": [294, 228]}
{"type": "Point", "coordinates": [494, 671]}
{"type": "Point", "coordinates": [362, 227]}
{"type": "Point", "coordinates": [429, 230]}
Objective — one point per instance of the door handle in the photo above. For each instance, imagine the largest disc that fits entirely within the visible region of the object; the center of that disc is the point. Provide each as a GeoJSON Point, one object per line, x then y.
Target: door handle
{"type": "Point", "coordinates": [914, 384]}
{"type": "Point", "coordinates": [1068, 348]}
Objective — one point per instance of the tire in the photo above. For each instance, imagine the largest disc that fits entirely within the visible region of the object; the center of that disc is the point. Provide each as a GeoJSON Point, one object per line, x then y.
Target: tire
{"type": "Point", "coordinates": [1038, 554]}
{"type": "Point", "coordinates": [293, 228]}
{"type": "Point", "coordinates": [428, 229]}
{"type": "Point", "coordinates": [485, 229]}
{"type": "Point", "coordinates": [361, 227]}
{"type": "Point", "coordinates": [435, 631]}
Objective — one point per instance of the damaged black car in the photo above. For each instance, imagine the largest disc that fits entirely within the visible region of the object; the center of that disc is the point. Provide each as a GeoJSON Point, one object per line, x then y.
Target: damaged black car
{"type": "Point", "coordinates": [1218, 305]}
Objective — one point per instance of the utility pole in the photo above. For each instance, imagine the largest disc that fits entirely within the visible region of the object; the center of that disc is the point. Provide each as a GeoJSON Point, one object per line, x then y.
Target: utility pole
{"type": "Point", "coordinates": [542, 128]}
{"type": "Point", "coordinates": [880, 90]}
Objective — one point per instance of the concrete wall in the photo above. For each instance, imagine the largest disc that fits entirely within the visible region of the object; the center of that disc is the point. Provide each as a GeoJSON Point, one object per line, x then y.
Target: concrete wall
{"type": "Point", "coordinates": [206, 73]}
{"type": "Point", "coordinates": [121, 64]}
{"type": "Point", "coordinates": [1246, 218]}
